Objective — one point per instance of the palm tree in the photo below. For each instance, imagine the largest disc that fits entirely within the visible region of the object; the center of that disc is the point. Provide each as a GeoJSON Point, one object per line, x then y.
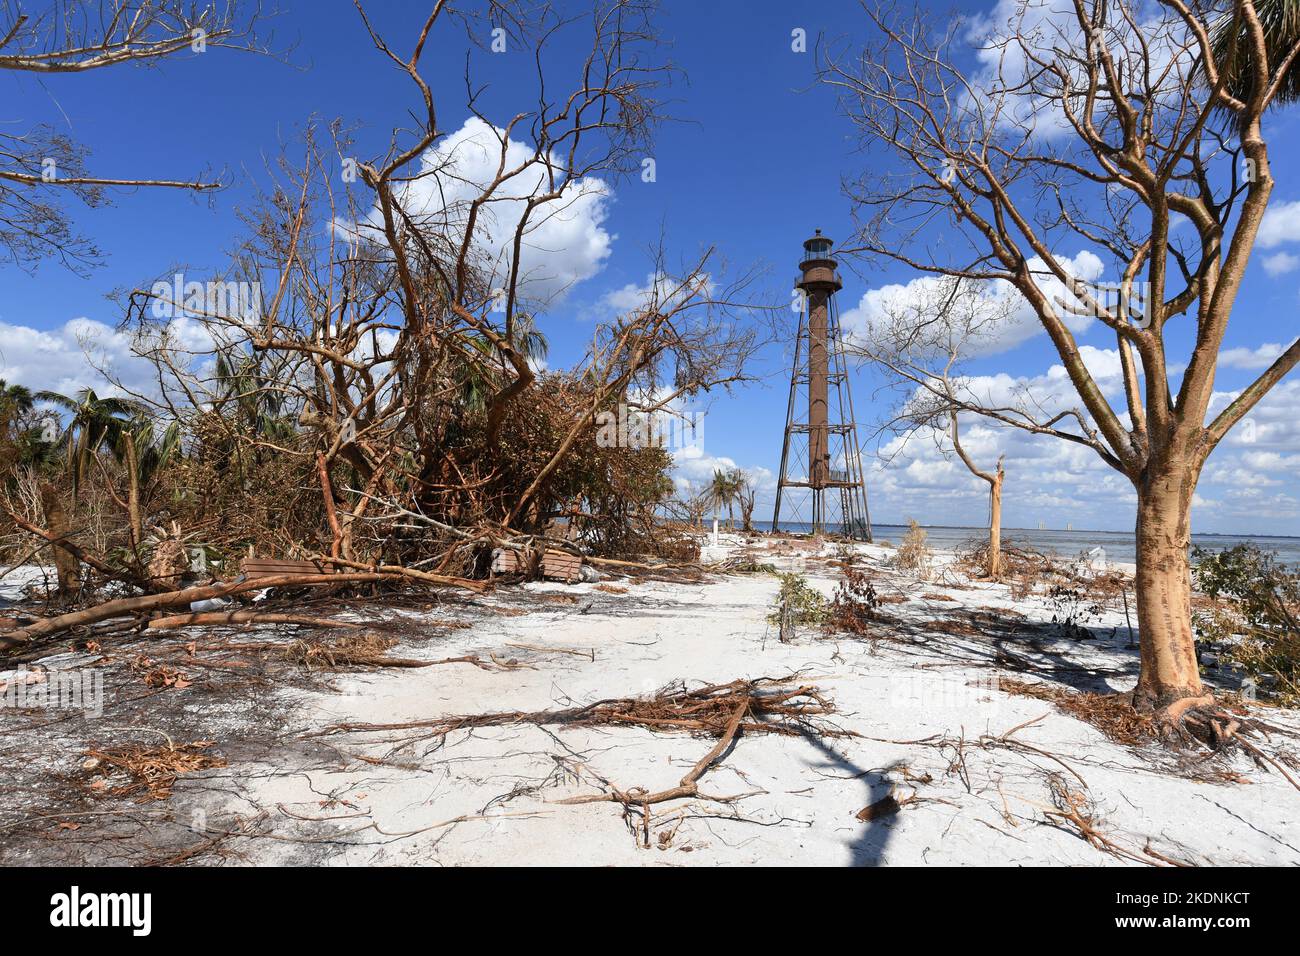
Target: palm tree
{"type": "Point", "coordinates": [471, 369]}
{"type": "Point", "coordinates": [145, 454]}
{"type": "Point", "coordinates": [746, 492]}
{"type": "Point", "coordinates": [259, 406]}
{"type": "Point", "coordinates": [723, 491]}
{"type": "Point", "coordinates": [124, 427]}
{"type": "Point", "coordinates": [28, 445]}
{"type": "Point", "coordinates": [1234, 52]}
{"type": "Point", "coordinates": [15, 399]}
{"type": "Point", "coordinates": [95, 423]}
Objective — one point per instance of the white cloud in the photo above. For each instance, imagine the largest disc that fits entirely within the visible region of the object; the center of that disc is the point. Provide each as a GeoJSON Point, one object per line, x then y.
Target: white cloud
{"type": "Point", "coordinates": [1280, 263]}
{"type": "Point", "coordinates": [565, 241]}
{"type": "Point", "coordinates": [1281, 224]}
{"type": "Point", "coordinates": [1256, 358]}
{"type": "Point", "coordinates": [693, 469]}
{"type": "Point", "coordinates": [1052, 391]}
{"type": "Point", "coordinates": [1012, 319]}
{"type": "Point", "coordinates": [659, 287]}
{"type": "Point", "coordinates": [66, 358]}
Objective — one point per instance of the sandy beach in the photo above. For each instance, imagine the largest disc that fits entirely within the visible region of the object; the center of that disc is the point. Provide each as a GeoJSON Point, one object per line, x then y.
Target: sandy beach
{"type": "Point", "coordinates": [960, 770]}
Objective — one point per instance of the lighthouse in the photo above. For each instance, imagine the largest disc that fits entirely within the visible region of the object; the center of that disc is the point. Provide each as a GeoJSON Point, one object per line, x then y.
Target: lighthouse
{"type": "Point", "coordinates": [820, 451]}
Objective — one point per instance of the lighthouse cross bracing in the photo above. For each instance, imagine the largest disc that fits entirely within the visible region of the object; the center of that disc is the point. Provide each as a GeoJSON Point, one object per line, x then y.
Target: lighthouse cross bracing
{"type": "Point", "coordinates": [820, 451]}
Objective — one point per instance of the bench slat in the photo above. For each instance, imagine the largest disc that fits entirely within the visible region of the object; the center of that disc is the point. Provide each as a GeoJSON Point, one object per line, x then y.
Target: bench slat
{"type": "Point", "coordinates": [559, 564]}
{"type": "Point", "coordinates": [267, 567]}
{"type": "Point", "coordinates": [555, 564]}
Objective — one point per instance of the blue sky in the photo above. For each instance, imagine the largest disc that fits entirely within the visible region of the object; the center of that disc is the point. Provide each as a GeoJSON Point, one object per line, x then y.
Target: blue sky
{"type": "Point", "coordinates": [752, 164]}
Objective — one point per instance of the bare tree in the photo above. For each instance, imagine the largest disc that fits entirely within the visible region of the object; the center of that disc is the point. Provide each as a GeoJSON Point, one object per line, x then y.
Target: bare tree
{"type": "Point", "coordinates": [690, 504]}
{"type": "Point", "coordinates": [921, 343]}
{"type": "Point", "coordinates": [746, 493]}
{"type": "Point", "coordinates": [1110, 124]}
{"type": "Point", "coordinates": [993, 566]}
{"type": "Point", "coordinates": [398, 332]}
{"type": "Point", "coordinates": [41, 165]}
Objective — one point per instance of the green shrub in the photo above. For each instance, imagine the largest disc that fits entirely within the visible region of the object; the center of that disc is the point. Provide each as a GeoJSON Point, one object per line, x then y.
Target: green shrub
{"type": "Point", "coordinates": [1255, 618]}
{"type": "Point", "coordinates": [803, 603]}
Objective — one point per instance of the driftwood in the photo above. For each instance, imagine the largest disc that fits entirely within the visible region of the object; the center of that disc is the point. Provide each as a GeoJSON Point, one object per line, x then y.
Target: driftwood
{"type": "Point", "coordinates": [689, 785]}
{"type": "Point", "coordinates": [242, 617]}
{"type": "Point", "coordinates": [123, 607]}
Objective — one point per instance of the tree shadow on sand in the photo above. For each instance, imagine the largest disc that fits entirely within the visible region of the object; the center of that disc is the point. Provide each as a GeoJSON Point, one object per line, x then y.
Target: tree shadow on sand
{"type": "Point", "coordinates": [986, 639]}
{"type": "Point", "coordinates": [867, 848]}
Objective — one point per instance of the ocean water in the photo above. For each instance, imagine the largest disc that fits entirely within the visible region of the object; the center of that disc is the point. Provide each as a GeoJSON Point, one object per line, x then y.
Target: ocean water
{"type": "Point", "coordinates": [1119, 545]}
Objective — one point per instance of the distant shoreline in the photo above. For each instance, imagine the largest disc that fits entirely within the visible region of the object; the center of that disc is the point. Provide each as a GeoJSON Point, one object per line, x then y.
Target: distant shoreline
{"type": "Point", "coordinates": [979, 529]}
{"type": "Point", "coordinates": [1117, 546]}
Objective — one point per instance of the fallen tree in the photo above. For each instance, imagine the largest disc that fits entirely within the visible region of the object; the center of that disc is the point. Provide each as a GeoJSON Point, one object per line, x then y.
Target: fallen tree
{"type": "Point", "coordinates": [125, 607]}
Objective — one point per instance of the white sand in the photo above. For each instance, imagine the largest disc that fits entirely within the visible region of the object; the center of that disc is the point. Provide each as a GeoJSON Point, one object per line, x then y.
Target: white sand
{"type": "Point", "coordinates": [505, 778]}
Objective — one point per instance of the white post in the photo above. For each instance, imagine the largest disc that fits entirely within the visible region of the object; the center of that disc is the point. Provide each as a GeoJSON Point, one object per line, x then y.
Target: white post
{"type": "Point", "coordinates": [715, 532]}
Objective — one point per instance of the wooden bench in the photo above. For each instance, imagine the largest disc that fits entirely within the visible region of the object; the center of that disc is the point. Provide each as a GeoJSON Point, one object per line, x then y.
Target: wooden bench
{"type": "Point", "coordinates": [562, 566]}
{"type": "Point", "coordinates": [556, 565]}
{"type": "Point", "coordinates": [273, 567]}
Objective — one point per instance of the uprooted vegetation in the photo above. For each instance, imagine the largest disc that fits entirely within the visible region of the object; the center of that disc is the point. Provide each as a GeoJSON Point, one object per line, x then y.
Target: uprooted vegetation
{"type": "Point", "coordinates": [385, 407]}
{"type": "Point", "coordinates": [780, 706]}
{"type": "Point", "coordinates": [797, 604]}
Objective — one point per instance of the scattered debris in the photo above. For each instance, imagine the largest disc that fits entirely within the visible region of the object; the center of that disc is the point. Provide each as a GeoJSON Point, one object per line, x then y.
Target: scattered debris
{"type": "Point", "coordinates": [152, 770]}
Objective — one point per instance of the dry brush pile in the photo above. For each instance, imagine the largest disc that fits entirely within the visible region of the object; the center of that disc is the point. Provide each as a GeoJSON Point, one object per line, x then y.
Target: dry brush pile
{"type": "Point", "coordinates": [385, 405]}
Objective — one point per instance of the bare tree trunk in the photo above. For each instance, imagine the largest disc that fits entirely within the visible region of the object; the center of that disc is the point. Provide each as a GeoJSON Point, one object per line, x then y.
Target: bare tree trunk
{"type": "Point", "coordinates": [331, 514]}
{"type": "Point", "coordinates": [56, 521]}
{"type": "Point", "coordinates": [1164, 592]}
{"type": "Point", "coordinates": [133, 492]}
{"type": "Point", "coordinates": [995, 524]}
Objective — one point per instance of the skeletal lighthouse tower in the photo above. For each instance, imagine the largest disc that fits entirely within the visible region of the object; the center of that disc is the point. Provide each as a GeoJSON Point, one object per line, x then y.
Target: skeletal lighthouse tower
{"type": "Point", "coordinates": [820, 452]}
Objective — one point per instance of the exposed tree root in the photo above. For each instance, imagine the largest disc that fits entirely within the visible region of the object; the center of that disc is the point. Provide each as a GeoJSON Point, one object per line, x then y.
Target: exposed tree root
{"type": "Point", "coordinates": [689, 785]}
{"type": "Point", "coordinates": [1190, 722]}
{"type": "Point", "coordinates": [1112, 714]}
{"type": "Point", "coordinates": [724, 711]}
{"type": "Point", "coordinates": [705, 711]}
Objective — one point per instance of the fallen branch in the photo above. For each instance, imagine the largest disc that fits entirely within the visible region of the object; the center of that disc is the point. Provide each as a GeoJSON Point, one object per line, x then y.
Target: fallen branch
{"type": "Point", "coordinates": [62, 542]}
{"type": "Point", "coordinates": [123, 607]}
{"type": "Point", "coordinates": [243, 617]}
{"type": "Point", "coordinates": [689, 785]}
{"type": "Point", "coordinates": [397, 570]}
{"type": "Point", "coordinates": [707, 710]}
